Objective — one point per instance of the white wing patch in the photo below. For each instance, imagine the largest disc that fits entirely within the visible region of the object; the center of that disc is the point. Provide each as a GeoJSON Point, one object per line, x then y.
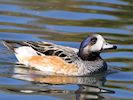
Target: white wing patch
{"type": "Point", "coordinates": [24, 53]}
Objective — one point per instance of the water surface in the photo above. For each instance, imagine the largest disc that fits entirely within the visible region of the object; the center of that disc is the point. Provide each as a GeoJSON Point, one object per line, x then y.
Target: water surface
{"type": "Point", "coordinates": [67, 22]}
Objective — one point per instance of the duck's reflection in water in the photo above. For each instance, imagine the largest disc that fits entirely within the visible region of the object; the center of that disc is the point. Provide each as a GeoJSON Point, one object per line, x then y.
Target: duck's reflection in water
{"type": "Point", "coordinates": [78, 88]}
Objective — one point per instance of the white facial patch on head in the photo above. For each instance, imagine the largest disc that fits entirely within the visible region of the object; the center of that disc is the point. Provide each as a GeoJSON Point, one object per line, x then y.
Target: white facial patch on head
{"type": "Point", "coordinates": [98, 45]}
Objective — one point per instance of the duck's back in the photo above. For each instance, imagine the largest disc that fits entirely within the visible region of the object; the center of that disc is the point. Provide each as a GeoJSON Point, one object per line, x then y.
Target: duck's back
{"type": "Point", "coordinates": [49, 49]}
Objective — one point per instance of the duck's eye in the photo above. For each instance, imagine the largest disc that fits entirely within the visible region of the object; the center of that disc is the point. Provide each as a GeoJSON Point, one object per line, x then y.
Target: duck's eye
{"type": "Point", "coordinates": [93, 41]}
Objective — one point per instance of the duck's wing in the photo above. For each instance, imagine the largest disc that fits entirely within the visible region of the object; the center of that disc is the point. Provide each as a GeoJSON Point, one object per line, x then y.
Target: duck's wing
{"type": "Point", "coordinates": [45, 48]}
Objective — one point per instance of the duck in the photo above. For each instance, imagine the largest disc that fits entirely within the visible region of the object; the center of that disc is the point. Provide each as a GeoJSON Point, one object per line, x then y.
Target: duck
{"type": "Point", "coordinates": [62, 60]}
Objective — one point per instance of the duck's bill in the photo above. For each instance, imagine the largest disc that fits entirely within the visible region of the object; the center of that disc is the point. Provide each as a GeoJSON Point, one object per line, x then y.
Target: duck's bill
{"type": "Point", "coordinates": [108, 46]}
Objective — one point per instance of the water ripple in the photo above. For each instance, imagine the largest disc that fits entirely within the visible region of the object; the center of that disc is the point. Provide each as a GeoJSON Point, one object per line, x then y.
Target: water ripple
{"type": "Point", "coordinates": [67, 22]}
{"type": "Point", "coordinates": [77, 16]}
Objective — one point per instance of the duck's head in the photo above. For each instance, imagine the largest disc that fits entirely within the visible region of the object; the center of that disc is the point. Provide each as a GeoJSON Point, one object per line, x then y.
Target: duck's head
{"type": "Point", "coordinates": [91, 47]}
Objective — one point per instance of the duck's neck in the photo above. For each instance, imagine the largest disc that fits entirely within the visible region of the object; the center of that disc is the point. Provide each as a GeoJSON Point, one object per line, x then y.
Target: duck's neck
{"type": "Point", "coordinates": [91, 56]}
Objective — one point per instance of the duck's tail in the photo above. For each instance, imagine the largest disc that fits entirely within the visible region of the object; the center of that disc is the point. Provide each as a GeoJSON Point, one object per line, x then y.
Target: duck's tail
{"type": "Point", "coordinates": [21, 50]}
{"type": "Point", "coordinates": [12, 45]}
